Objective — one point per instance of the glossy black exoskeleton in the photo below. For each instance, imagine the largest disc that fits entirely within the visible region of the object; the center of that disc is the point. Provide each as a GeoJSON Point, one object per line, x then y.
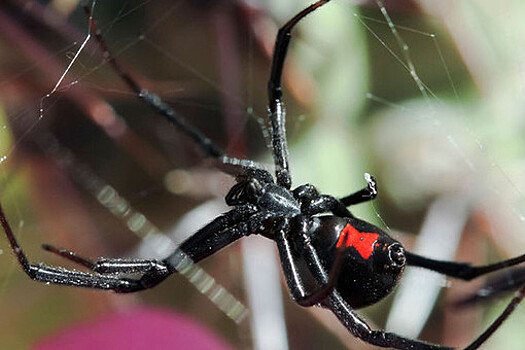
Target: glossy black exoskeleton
{"type": "Point", "coordinates": [363, 280]}
{"type": "Point", "coordinates": [329, 257]}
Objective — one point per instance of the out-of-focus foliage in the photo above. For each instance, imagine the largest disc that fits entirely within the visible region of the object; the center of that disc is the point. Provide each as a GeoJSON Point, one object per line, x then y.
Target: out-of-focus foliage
{"type": "Point", "coordinates": [353, 107]}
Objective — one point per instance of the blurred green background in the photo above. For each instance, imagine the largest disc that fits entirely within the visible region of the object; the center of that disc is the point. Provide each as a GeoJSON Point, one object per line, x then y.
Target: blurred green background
{"type": "Point", "coordinates": [442, 117]}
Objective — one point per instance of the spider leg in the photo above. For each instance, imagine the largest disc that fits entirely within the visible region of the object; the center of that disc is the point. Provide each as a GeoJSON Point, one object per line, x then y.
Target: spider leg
{"type": "Point", "coordinates": [70, 255]}
{"type": "Point", "coordinates": [359, 328]}
{"type": "Point", "coordinates": [230, 165]}
{"type": "Point", "coordinates": [276, 110]}
{"type": "Point", "coordinates": [223, 230]}
{"type": "Point", "coordinates": [314, 203]}
{"type": "Point", "coordinates": [462, 271]}
{"type": "Point", "coordinates": [288, 256]}
{"type": "Point", "coordinates": [504, 283]}
{"type": "Point", "coordinates": [467, 272]}
{"type": "Point", "coordinates": [220, 232]}
{"type": "Point", "coordinates": [366, 194]}
{"type": "Point", "coordinates": [55, 275]}
{"type": "Point", "coordinates": [285, 244]}
{"type": "Point", "coordinates": [111, 266]}
{"type": "Point", "coordinates": [498, 321]}
{"type": "Point", "coordinates": [153, 271]}
{"type": "Point", "coordinates": [325, 203]}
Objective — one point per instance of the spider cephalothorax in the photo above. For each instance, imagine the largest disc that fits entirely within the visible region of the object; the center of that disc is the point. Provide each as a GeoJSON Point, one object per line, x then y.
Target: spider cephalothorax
{"type": "Point", "coordinates": [329, 257]}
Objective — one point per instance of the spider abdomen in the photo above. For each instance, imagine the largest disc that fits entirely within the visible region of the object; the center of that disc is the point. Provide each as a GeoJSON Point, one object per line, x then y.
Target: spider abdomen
{"type": "Point", "coordinates": [373, 261]}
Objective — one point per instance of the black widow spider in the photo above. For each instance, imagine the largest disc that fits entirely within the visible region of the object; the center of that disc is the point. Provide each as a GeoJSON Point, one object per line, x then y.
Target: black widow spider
{"type": "Point", "coordinates": [333, 260]}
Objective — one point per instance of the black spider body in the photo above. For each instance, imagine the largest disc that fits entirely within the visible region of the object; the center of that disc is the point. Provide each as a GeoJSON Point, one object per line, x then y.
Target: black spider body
{"type": "Point", "coordinates": [362, 281]}
{"type": "Point", "coordinates": [372, 261]}
{"type": "Point", "coordinates": [328, 257]}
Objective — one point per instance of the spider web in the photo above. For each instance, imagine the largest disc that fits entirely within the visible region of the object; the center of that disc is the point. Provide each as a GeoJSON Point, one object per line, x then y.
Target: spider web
{"type": "Point", "coordinates": [433, 112]}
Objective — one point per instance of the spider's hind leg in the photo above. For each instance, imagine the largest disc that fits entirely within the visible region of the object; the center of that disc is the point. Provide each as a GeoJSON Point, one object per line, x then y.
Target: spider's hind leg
{"type": "Point", "coordinates": [359, 328]}
{"type": "Point", "coordinates": [494, 287]}
{"type": "Point", "coordinates": [468, 272]}
{"type": "Point", "coordinates": [459, 270]}
{"type": "Point", "coordinates": [55, 275]}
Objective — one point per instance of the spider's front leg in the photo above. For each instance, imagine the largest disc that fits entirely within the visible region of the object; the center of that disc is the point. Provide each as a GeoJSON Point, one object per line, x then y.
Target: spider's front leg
{"type": "Point", "coordinates": [222, 231]}
{"type": "Point", "coordinates": [276, 110]}
{"type": "Point", "coordinates": [154, 272]}
{"type": "Point", "coordinates": [314, 203]}
{"type": "Point", "coordinates": [364, 195]}
{"type": "Point", "coordinates": [230, 165]}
